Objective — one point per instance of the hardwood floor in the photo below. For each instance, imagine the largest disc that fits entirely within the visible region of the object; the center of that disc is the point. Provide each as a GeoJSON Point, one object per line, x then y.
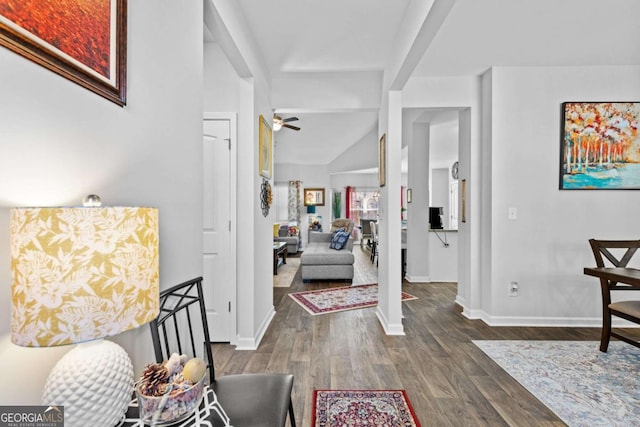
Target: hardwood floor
{"type": "Point", "coordinates": [449, 381]}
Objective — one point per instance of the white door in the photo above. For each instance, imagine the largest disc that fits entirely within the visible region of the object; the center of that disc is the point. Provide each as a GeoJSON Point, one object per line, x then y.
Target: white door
{"type": "Point", "coordinates": [216, 230]}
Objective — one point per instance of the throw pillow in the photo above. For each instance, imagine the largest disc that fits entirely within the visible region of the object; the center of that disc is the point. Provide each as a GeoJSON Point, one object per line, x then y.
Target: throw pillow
{"type": "Point", "coordinates": [339, 239]}
{"type": "Point", "coordinates": [332, 242]}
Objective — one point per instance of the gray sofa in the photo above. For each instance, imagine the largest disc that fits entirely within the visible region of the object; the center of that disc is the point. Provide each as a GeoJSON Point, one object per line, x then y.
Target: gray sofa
{"type": "Point", "coordinates": [319, 262]}
{"type": "Point", "coordinates": [292, 241]}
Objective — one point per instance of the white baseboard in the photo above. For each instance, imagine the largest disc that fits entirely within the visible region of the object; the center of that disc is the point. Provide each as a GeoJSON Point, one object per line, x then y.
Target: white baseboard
{"type": "Point", "coordinates": [252, 343]}
{"type": "Point", "coordinates": [389, 329]}
{"type": "Point", "coordinates": [576, 322]}
{"type": "Point", "coordinates": [417, 279]}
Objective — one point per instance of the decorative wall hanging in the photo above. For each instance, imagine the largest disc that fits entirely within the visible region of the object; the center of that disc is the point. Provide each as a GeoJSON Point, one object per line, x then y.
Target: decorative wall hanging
{"type": "Point", "coordinates": [314, 196]}
{"type": "Point", "coordinates": [266, 197]}
{"type": "Point", "coordinates": [382, 161]}
{"type": "Point", "coordinates": [86, 43]}
{"type": "Point", "coordinates": [266, 150]}
{"type": "Point", "coordinates": [600, 146]}
{"type": "Point", "coordinates": [337, 204]}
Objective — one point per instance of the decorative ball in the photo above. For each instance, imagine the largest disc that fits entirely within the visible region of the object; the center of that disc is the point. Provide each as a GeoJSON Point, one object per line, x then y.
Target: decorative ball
{"type": "Point", "coordinates": [194, 370]}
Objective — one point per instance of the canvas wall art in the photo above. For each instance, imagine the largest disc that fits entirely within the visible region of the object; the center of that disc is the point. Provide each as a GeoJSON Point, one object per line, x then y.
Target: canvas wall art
{"type": "Point", "coordinates": [84, 41]}
{"type": "Point", "coordinates": [600, 146]}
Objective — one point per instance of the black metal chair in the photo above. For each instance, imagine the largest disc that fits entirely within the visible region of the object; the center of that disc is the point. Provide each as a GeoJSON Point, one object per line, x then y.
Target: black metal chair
{"type": "Point", "coordinates": [628, 310]}
{"type": "Point", "coordinates": [250, 400]}
{"type": "Point", "coordinates": [374, 242]}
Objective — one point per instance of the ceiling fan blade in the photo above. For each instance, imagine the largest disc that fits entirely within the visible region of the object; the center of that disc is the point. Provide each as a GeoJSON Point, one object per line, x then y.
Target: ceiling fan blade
{"type": "Point", "coordinates": [290, 127]}
{"type": "Point", "coordinates": [290, 119]}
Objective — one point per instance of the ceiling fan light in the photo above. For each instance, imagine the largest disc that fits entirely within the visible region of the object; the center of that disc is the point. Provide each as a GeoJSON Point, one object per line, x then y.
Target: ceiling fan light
{"type": "Point", "coordinates": [277, 126]}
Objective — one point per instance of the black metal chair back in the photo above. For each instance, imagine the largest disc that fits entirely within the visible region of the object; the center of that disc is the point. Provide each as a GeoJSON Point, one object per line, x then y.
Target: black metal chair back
{"type": "Point", "coordinates": [177, 327]}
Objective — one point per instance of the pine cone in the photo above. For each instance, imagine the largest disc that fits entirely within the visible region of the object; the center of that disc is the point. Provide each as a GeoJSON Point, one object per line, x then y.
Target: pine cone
{"type": "Point", "coordinates": [153, 380]}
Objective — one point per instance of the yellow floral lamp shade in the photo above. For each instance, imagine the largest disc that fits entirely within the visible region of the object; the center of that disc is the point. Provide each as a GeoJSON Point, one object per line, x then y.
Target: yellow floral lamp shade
{"type": "Point", "coordinates": [82, 273]}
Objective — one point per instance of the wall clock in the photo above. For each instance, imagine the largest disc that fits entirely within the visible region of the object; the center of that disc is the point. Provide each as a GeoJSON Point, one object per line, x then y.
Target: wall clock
{"type": "Point", "coordinates": [454, 170]}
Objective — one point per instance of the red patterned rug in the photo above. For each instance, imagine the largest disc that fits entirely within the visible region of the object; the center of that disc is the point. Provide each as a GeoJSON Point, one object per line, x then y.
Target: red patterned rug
{"type": "Point", "coordinates": [356, 408]}
{"type": "Point", "coordinates": [340, 299]}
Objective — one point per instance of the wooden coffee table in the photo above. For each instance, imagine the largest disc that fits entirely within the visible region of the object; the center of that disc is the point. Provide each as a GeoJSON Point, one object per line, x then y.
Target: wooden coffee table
{"type": "Point", "coordinates": [279, 253]}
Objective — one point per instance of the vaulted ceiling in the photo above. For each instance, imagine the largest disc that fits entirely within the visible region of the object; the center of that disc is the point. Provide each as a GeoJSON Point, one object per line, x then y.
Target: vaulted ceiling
{"type": "Point", "coordinates": [335, 38]}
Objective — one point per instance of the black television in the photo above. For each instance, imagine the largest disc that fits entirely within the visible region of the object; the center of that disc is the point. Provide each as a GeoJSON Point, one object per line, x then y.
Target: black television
{"type": "Point", "coordinates": [435, 218]}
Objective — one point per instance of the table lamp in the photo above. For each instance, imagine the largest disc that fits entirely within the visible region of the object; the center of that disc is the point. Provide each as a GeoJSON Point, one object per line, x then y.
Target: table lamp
{"type": "Point", "coordinates": [80, 274]}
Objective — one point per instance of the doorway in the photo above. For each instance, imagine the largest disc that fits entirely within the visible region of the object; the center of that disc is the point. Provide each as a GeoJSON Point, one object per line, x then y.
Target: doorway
{"type": "Point", "coordinates": [218, 227]}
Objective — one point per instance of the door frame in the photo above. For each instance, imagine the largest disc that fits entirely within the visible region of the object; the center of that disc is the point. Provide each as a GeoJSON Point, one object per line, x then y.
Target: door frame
{"type": "Point", "coordinates": [233, 214]}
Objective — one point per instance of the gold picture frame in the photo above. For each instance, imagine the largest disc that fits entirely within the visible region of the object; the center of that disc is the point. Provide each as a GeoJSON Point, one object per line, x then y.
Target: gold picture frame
{"type": "Point", "coordinates": [382, 161]}
{"type": "Point", "coordinates": [87, 45]}
{"type": "Point", "coordinates": [266, 149]}
{"type": "Point", "coordinates": [314, 196]}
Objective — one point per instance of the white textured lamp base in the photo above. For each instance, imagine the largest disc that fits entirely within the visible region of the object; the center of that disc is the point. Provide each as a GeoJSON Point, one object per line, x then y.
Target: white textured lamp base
{"type": "Point", "coordinates": [93, 382]}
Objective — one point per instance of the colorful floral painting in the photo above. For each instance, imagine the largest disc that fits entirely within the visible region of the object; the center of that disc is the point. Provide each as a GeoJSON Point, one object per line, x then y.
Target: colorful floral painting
{"type": "Point", "coordinates": [600, 148]}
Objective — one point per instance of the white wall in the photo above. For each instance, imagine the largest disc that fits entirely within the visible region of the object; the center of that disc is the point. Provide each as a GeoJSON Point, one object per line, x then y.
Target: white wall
{"type": "Point", "coordinates": [61, 142]}
{"type": "Point", "coordinates": [225, 91]}
{"type": "Point", "coordinates": [443, 256]}
{"type": "Point", "coordinates": [312, 176]}
{"type": "Point", "coordinates": [546, 248]}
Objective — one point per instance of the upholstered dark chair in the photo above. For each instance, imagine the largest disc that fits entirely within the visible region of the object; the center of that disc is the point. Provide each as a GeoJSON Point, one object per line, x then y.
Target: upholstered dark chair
{"type": "Point", "coordinates": [365, 225]}
{"type": "Point", "coordinates": [250, 400]}
{"type": "Point", "coordinates": [629, 310]}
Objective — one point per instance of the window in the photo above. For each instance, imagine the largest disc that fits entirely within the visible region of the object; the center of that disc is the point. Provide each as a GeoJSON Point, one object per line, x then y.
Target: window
{"type": "Point", "coordinates": [364, 204]}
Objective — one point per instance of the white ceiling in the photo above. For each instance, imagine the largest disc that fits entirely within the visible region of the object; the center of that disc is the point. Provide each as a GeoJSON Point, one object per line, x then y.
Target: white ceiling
{"type": "Point", "coordinates": [334, 36]}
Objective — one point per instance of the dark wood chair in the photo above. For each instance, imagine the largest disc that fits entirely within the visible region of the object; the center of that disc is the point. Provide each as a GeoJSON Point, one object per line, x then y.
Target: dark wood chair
{"type": "Point", "coordinates": [628, 310]}
{"type": "Point", "coordinates": [250, 400]}
{"type": "Point", "coordinates": [374, 242]}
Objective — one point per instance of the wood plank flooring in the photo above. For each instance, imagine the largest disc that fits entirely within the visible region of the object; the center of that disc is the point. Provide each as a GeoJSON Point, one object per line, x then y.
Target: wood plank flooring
{"type": "Point", "coordinates": [449, 381]}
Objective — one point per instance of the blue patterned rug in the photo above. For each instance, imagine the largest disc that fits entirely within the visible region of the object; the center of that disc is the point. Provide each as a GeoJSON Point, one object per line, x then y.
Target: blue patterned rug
{"type": "Point", "coordinates": [574, 379]}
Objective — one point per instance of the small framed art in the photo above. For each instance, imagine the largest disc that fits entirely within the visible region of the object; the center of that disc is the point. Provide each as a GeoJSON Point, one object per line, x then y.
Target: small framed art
{"type": "Point", "coordinates": [314, 196]}
{"type": "Point", "coordinates": [266, 149]}
{"type": "Point", "coordinates": [382, 161]}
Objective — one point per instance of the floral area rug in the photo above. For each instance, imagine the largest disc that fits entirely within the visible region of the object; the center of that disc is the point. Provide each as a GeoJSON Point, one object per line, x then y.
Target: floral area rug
{"type": "Point", "coordinates": [324, 301]}
{"type": "Point", "coordinates": [356, 408]}
{"type": "Point", "coordinates": [574, 379]}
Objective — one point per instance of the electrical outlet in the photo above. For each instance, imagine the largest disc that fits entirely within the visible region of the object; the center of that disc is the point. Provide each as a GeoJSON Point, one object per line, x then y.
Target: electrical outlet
{"type": "Point", "coordinates": [513, 289]}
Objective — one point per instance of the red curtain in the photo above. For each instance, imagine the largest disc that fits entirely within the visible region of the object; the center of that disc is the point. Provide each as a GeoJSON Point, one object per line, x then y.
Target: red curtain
{"type": "Point", "coordinates": [350, 192]}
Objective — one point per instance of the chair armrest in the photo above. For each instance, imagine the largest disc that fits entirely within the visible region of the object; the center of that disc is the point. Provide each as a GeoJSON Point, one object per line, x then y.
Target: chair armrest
{"type": "Point", "coordinates": [349, 245]}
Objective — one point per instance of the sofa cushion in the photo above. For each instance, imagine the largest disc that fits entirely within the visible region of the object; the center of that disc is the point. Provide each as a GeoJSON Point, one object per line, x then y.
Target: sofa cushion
{"type": "Point", "coordinates": [321, 254]}
{"type": "Point", "coordinates": [339, 239]}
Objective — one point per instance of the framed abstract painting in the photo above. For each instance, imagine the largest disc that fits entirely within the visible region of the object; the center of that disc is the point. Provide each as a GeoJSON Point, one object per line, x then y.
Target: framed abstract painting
{"type": "Point", "coordinates": [265, 155]}
{"type": "Point", "coordinates": [600, 146]}
{"type": "Point", "coordinates": [83, 41]}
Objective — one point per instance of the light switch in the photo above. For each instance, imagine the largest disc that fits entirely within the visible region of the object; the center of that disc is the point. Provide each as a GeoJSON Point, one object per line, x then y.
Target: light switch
{"type": "Point", "coordinates": [513, 213]}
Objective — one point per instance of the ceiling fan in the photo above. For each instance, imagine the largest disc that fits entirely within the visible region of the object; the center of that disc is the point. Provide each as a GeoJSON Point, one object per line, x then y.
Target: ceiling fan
{"type": "Point", "coordinates": [279, 123]}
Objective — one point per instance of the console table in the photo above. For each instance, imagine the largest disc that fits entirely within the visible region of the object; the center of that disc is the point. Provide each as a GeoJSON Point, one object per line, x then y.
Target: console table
{"type": "Point", "coordinates": [279, 253]}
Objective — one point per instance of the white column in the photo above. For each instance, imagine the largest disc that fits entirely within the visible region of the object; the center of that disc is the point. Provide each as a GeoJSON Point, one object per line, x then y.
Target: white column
{"type": "Point", "coordinates": [418, 209]}
{"type": "Point", "coordinates": [389, 310]}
